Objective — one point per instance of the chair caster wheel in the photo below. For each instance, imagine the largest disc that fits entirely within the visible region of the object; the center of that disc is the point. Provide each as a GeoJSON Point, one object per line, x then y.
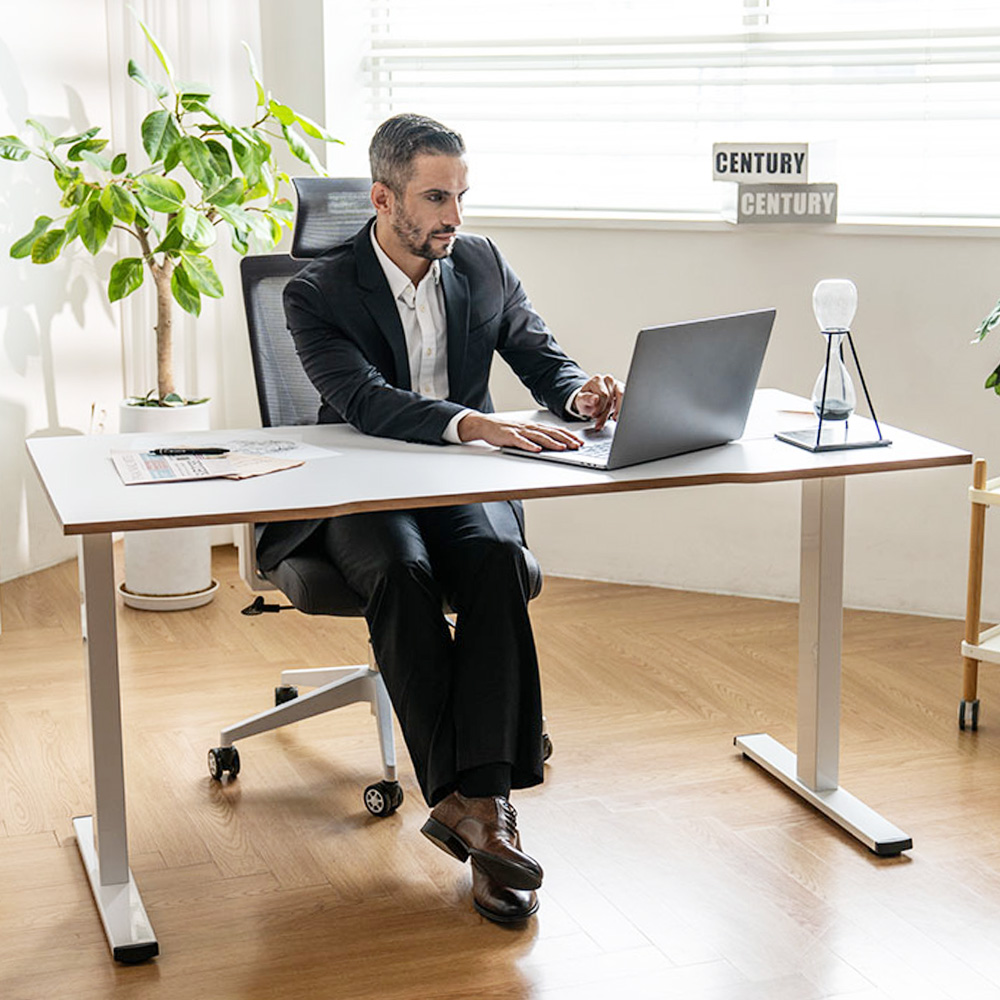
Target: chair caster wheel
{"type": "Point", "coordinates": [383, 798]}
{"type": "Point", "coordinates": [546, 746]}
{"type": "Point", "coordinates": [223, 759]}
{"type": "Point", "coordinates": [287, 692]}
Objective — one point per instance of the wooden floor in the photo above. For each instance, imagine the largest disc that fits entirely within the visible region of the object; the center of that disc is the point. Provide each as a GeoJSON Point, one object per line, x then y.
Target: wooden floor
{"type": "Point", "coordinates": [674, 867]}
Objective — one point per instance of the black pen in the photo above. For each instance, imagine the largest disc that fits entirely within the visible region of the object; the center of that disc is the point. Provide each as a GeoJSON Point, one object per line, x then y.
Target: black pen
{"type": "Point", "coordinates": [189, 451]}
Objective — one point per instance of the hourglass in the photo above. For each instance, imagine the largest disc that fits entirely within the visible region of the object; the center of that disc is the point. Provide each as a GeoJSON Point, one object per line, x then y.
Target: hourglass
{"type": "Point", "coordinates": [835, 301]}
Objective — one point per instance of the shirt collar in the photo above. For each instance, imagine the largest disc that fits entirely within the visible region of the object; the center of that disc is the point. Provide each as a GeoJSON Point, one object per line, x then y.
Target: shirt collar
{"type": "Point", "coordinates": [399, 282]}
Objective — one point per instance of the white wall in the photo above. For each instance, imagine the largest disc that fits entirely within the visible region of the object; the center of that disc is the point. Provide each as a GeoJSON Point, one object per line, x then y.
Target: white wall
{"type": "Point", "coordinates": [920, 298]}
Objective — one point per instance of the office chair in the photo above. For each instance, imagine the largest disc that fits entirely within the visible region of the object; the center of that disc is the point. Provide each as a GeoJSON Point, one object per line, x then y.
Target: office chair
{"type": "Point", "coordinates": [329, 211]}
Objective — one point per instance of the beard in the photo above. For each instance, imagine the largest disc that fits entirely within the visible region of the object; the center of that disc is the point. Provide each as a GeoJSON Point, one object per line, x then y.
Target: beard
{"type": "Point", "coordinates": [418, 241]}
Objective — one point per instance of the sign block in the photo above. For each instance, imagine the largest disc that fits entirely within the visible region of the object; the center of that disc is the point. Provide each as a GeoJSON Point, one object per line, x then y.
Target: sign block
{"type": "Point", "coordinates": [770, 203]}
{"type": "Point", "coordinates": [755, 162]}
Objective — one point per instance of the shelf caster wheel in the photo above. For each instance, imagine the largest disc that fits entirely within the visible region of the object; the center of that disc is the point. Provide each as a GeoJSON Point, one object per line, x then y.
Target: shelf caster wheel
{"type": "Point", "coordinates": [287, 692]}
{"type": "Point", "coordinates": [383, 798]}
{"type": "Point", "coordinates": [223, 759]}
{"type": "Point", "coordinates": [968, 715]}
{"type": "Point", "coordinates": [546, 746]}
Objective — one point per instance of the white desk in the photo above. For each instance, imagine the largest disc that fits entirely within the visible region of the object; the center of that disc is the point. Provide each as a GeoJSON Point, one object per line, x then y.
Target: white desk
{"type": "Point", "coordinates": [361, 473]}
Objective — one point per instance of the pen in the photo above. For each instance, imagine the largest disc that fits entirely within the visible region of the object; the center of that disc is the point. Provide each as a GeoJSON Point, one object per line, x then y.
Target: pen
{"type": "Point", "coordinates": [190, 451]}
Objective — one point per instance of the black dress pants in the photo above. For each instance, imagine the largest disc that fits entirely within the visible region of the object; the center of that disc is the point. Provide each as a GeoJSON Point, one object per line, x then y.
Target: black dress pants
{"type": "Point", "coordinates": [464, 700]}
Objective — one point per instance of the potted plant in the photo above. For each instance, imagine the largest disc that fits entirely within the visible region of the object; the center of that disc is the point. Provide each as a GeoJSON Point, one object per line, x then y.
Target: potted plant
{"type": "Point", "coordinates": [993, 379]}
{"type": "Point", "coordinates": [206, 180]}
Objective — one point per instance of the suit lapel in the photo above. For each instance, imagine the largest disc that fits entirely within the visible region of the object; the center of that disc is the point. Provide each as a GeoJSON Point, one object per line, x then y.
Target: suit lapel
{"type": "Point", "coordinates": [456, 304]}
{"type": "Point", "coordinates": [380, 305]}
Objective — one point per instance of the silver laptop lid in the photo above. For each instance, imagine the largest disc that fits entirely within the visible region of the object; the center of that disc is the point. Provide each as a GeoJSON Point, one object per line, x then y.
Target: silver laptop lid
{"type": "Point", "coordinates": [690, 386]}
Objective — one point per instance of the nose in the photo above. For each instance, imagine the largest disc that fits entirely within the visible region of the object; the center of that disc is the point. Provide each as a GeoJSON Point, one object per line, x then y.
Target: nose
{"type": "Point", "coordinates": [453, 213]}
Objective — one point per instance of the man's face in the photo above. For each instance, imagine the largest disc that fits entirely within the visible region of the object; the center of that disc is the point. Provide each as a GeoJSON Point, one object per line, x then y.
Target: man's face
{"type": "Point", "coordinates": [423, 220]}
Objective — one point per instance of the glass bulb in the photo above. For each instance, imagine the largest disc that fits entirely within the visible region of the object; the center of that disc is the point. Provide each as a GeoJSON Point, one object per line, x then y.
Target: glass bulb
{"type": "Point", "coordinates": [835, 301]}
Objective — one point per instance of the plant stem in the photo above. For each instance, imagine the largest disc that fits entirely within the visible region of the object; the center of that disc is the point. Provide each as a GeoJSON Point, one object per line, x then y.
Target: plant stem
{"type": "Point", "coordinates": [164, 327]}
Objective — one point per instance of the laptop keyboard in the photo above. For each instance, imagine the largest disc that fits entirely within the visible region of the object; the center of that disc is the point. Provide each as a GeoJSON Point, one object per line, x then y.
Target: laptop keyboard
{"type": "Point", "coordinates": [597, 451]}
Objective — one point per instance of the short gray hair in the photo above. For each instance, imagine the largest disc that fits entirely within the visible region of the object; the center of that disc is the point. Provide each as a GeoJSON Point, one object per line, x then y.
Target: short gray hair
{"type": "Point", "coordinates": [398, 140]}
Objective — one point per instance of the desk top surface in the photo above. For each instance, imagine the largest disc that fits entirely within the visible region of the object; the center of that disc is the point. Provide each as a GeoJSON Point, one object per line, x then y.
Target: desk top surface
{"type": "Point", "coordinates": [350, 472]}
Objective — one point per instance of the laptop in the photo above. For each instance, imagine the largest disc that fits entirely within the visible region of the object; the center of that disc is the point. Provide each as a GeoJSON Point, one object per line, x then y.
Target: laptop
{"type": "Point", "coordinates": [689, 387]}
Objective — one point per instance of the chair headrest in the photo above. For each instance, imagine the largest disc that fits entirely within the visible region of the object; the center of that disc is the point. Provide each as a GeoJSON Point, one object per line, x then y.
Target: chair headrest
{"type": "Point", "coordinates": [331, 210]}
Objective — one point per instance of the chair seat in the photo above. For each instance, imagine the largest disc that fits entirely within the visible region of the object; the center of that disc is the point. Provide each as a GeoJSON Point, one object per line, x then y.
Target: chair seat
{"type": "Point", "coordinates": [315, 586]}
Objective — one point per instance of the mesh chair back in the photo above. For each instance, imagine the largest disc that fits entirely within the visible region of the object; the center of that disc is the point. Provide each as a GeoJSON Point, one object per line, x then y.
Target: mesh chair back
{"type": "Point", "coordinates": [330, 210]}
{"type": "Point", "coordinates": [284, 393]}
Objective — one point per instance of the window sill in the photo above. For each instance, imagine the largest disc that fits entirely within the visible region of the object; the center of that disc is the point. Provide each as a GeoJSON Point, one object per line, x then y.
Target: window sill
{"type": "Point", "coordinates": [846, 226]}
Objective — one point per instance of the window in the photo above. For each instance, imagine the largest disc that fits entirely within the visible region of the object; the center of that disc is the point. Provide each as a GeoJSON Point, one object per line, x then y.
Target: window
{"type": "Point", "coordinates": [568, 104]}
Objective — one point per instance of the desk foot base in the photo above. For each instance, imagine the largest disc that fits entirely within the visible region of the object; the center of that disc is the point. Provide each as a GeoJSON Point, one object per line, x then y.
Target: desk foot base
{"type": "Point", "coordinates": [863, 823]}
{"type": "Point", "coordinates": [129, 933]}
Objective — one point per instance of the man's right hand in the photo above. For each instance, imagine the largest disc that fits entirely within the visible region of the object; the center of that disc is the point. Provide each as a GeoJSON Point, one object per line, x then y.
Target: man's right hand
{"type": "Point", "coordinates": [505, 433]}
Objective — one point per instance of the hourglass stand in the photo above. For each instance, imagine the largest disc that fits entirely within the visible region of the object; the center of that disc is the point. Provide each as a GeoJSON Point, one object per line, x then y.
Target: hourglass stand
{"type": "Point", "coordinates": [840, 435]}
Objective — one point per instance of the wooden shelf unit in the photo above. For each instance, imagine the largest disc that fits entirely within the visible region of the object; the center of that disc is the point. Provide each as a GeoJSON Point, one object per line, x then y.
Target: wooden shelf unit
{"type": "Point", "coordinates": [978, 647]}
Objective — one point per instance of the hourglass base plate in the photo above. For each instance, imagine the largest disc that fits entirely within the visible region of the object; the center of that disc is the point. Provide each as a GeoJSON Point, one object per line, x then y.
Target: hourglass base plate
{"type": "Point", "coordinates": [833, 437]}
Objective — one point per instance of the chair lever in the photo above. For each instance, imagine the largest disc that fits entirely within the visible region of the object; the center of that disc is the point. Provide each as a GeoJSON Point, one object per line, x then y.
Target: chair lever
{"type": "Point", "coordinates": [258, 607]}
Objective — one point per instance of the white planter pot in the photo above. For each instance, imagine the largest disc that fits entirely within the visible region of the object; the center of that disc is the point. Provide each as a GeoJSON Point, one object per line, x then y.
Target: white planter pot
{"type": "Point", "coordinates": [169, 569]}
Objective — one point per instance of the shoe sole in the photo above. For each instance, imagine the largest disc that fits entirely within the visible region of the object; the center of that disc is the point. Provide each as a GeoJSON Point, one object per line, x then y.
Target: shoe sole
{"type": "Point", "coordinates": [504, 918]}
{"type": "Point", "coordinates": [509, 873]}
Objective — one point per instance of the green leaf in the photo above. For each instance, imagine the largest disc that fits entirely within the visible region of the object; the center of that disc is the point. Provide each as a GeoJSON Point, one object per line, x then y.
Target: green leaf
{"type": "Point", "coordinates": [47, 247]}
{"type": "Point", "coordinates": [255, 73]}
{"type": "Point", "coordinates": [223, 164]}
{"type": "Point", "coordinates": [140, 77]}
{"type": "Point", "coordinates": [42, 131]}
{"type": "Point", "coordinates": [228, 194]}
{"type": "Point", "coordinates": [22, 248]}
{"type": "Point", "coordinates": [119, 164]}
{"type": "Point", "coordinates": [160, 194]}
{"type": "Point", "coordinates": [185, 294]}
{"type": "Point", "coordinates": [199, 161]}
{"type": "Point", "coordinates": [12, 148]}
{"type": "Point", "coordinates": [94, 145]}
{"type": "Point", "coordinates": [160, 54]}
{"type": "Point", "coordinates": [194, 100]}
{"type": "Point", "coordinates": [69, 140]}
{"type": "Point", "coordinates": [284, 114]}
{"type": "Point", "coordinates": [94, 224]}
{"type": "Point", "coordinates": [126, 276]}
{"type": "Point", "coordinates": [202, 275]}
{"type": "Point", "coordinates": [284, 209]}
{"type": "Point", "coordinates": [119, 202]}
{"type": "Point", "coordinates": [195, 228]}
{"type": "Point", "coordinates": [314, 129]}
{"type": "Point", "coordinates": [101, 162]}
{"type": "Point", "coordinates": [159, 133]}
{"type": "Point", "coordinates": [301, 149]}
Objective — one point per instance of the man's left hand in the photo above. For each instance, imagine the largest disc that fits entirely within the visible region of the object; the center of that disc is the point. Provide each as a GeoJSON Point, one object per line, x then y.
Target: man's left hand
{"type": "Point", "coordinates": [600, 399]}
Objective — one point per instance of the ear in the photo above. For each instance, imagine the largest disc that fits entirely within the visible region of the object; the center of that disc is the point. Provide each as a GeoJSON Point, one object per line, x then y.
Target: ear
{"type": "Point", "coordinates": [382, 197]}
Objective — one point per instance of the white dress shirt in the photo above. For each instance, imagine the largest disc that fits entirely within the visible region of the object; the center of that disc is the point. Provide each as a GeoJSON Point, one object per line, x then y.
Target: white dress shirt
{"type": "Point", "coordinates": [422, 313]}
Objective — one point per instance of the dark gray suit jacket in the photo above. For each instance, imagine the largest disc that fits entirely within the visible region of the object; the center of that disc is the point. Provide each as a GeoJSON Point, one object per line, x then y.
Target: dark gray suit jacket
{"type": "Point", "coordinates": [350, 340]}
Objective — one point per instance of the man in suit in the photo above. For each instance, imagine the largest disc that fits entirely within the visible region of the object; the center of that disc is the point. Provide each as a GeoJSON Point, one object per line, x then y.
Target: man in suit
{"type": "Point", "coordinates": [397, 329]}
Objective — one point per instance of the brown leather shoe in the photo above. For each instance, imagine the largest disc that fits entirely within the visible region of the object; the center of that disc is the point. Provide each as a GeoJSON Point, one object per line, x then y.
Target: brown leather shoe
{"type": "Point", "coordinates": [485, 828]}
{"type": "Point", "coordinates": [500, 903]}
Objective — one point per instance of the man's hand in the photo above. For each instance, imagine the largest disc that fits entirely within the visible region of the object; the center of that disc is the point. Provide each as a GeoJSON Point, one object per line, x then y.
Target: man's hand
{"type": "Point", "coordinates": [600, 399]}
{"type": "Point", "coordinates": [511, 434]}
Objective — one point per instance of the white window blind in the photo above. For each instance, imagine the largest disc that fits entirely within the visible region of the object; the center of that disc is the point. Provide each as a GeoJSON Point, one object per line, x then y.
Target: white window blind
{"type": "Point", "coordinates": [567, 104]}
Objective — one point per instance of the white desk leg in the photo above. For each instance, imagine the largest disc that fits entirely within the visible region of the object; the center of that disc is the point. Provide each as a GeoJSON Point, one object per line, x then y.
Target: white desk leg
{"type": "Point", "coordinates": [814, 772]}
{"type": "Point", "coordinates": [103, 839]}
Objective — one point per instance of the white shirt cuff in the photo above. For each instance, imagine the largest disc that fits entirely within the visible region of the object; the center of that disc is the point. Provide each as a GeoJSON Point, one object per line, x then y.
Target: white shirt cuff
{"type": "Point", "coordinates": [450, 434]}
{"type": "Point", "coordinates": [571, 405]}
